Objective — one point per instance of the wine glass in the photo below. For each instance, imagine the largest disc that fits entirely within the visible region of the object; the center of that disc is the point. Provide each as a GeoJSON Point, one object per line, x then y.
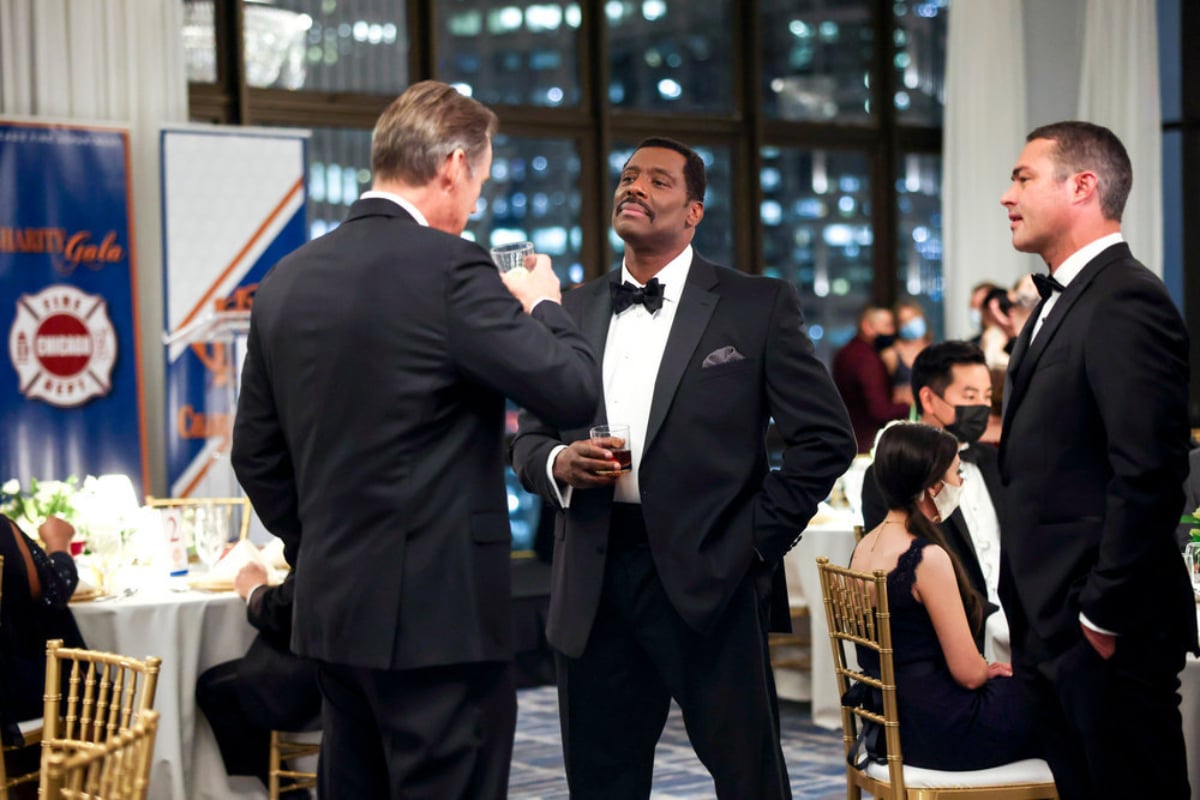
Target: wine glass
{"type": "Point", "coordinates": [209, 535]}
{"type": "Point", "coordinates": [104, 540]}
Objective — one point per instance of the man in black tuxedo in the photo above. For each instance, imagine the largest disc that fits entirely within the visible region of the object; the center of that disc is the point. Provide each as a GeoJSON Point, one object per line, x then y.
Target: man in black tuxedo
{"type": "Point", "coordinates": [952, 388]}
{"type": "Point", "coordinates": [662, 574]}
{"type": "Point", "coordinates": [369, 433]}
{"type": "Point", "coordinates": [268, 688]}
{"type": "Point", "coordinates": [1093, 455]}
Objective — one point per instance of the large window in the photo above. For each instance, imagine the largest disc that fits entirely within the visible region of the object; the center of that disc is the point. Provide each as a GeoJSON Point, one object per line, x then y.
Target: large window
{"type": "Point", "coordinates": [533, 195]}
{"type": "Point", "coordinates": [817, 57]}
{"type": "Point", "coordinates": [510, 54]}
{"type": "Point", "coordinates": [670, 56]}
{"type": "Point", "coordinates": [816, 214]}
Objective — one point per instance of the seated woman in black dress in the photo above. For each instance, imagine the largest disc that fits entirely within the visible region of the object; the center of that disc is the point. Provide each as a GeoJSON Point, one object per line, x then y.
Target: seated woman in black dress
{"type": "Point", "coordinates": [957, 711]}
{"type": "Point", "coordinates": [33, 609]}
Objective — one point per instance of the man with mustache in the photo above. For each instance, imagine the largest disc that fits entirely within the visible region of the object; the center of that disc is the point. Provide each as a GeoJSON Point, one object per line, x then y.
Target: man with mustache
{"type": "Point", "coordinates": [663, 573]}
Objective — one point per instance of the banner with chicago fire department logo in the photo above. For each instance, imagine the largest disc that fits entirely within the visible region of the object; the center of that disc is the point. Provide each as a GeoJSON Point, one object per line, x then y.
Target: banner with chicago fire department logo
{"type": "Point", "coordinates": [70, 399]}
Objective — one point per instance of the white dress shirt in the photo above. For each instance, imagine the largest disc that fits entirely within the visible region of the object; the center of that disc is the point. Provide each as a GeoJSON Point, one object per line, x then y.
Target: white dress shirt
{"type": "Point", "coordinates": [632, 354]}
{"type": "Point", "coordinates": [1066, 272]}
{"type": "Point", "coordinates": [984, 527]}
{"type": "Point", "coordinates": [1068, 269]}
{"type": "Point", "coordinates": [398, 200]}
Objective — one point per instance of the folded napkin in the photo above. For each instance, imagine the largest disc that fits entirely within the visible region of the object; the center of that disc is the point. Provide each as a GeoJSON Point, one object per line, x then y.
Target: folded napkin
{"type": "Point", "coordinates": [272, 554]}
{"type": "Point", "coordinates": [225, 570]}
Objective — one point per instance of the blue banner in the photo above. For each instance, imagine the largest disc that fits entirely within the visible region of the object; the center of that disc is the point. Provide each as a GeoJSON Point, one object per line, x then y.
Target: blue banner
{"type": "Point", "coordinates": [70, 396]}
{"type": "Point", "coordinates": [233, 205]}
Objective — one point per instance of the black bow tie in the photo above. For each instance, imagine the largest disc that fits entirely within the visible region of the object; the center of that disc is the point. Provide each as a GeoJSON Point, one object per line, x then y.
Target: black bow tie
{"type": "Point", "coordinates": [1047, 285]}
{"type": "Point", "coordinates": [626, 294]}
{"type": "Point", "coordinates": [969, 455]}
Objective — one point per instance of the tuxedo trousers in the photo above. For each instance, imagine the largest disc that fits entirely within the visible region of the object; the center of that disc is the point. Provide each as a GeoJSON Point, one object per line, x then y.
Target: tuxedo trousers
{"type": "Point", "coordinates": [1111, 728]}
{"type": "Point", "coordinates": [614, 699]}
{"type": "Point", "coordinates": [435, 733]}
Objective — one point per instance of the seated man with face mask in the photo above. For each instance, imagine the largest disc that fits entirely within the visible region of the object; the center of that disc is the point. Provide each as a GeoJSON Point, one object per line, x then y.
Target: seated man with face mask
{"type": "Point", "coordinates": [953, 390]}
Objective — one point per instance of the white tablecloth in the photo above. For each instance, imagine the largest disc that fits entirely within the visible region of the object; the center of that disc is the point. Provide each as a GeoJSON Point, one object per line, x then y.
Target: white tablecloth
{"type": "Point", "coordinates": [1189, 691]}
{"type": "Point", "coordinates": [834, 540]}
{"type": "Point", "coordinates": [190, 632]}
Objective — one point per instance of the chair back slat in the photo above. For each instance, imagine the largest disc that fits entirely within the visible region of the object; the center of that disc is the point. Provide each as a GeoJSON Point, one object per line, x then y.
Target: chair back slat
{"type": "Point", "coordinates": [114, 770]}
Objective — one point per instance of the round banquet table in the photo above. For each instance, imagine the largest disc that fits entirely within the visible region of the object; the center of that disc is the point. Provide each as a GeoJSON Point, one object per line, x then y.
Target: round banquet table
{"type": "Point", "coordinates": [1189, 692]}
{"type": "Point", "coordinates": [190, 631]}
{"type": "Point", "coordinates": [833, 538]}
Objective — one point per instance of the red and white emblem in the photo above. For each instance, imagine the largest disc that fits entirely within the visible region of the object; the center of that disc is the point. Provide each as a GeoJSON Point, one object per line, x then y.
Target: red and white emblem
{"type": "Point", "coordinates": [63, 346]}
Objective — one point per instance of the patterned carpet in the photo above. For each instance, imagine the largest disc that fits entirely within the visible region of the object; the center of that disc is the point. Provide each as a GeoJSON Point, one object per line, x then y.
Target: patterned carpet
{"type": "Point", "coordinates": [814, 756]}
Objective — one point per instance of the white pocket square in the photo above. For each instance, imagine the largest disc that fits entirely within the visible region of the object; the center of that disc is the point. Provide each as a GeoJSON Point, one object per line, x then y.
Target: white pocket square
{"type": "Point", "coordinates": [722, 355]}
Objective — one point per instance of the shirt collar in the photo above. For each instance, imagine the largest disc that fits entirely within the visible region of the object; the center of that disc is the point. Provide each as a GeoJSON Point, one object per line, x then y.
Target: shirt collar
{"type": "Point", "coordinates": [672, 277]}
{"type": "Point", "coordinates": [398, 200]}
{"type": "Point", "coordinates": [1075, 263]}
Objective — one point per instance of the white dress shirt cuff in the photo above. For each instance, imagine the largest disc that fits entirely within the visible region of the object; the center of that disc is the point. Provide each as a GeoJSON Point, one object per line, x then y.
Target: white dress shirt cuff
{"type": "Point", "coordinates": [561, 493]}
{"type": "Point", "coordinates": [1087, 623]}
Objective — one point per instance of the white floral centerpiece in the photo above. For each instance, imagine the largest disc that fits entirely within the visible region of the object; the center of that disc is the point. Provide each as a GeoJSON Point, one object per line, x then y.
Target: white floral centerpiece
{"type": "Point", "coordinates": [30, 507]}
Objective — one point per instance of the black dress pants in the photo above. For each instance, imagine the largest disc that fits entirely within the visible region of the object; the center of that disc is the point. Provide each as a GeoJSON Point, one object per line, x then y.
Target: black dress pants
{"type": "Point", "coordinates": [438, 733]}
{"type": "Point", "coordinates": [1111, 728]}
{"type": "Point", "coordinates": [245, 743]}
{"type": "Point", "coordinates": [614, 699]}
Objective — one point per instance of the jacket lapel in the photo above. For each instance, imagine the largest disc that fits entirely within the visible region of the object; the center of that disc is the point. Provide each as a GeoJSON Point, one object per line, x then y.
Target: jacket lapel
{"type": "Point", "coordinates": [1020, 373]}
{"type": "Point", "coordinates": [696, 306]}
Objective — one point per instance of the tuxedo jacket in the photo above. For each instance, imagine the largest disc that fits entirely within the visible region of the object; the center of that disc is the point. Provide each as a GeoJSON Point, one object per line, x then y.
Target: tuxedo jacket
{"type": "Point", "coordinates": [1093, 457]}
{"type": "Point", "coordinates": [958, 535]}
{"type": "Point", "coordinates": [713, 509]}
{"type": "Point", "coordinates": [369, 433]}
{"type": "Point", "coordinates": [276, 687]}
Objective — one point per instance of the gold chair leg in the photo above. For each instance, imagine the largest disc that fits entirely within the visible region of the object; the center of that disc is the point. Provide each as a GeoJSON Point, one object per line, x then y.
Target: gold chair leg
{"type": "Point", "coordinates": [273, 767]}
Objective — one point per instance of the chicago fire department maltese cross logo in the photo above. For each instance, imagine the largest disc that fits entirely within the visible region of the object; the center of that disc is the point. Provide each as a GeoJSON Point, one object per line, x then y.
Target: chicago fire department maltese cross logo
{"type": "Point", "coordinates": [63, 346]}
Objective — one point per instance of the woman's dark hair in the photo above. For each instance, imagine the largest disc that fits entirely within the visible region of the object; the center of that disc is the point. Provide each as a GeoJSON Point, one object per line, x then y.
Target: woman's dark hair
{"type": "Point", "coordinates": [910, 457]}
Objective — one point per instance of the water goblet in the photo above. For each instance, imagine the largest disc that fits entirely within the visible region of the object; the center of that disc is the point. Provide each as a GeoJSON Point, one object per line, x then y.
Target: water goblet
{"type": "Point", "coordinates": [209, 535]}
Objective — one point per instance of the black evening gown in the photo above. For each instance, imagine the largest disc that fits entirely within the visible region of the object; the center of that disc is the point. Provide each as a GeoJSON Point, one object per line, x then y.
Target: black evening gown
{"type": "Point", "coordinates": [943, 725]}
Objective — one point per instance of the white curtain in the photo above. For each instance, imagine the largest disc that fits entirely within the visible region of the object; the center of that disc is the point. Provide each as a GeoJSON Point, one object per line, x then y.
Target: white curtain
{"type": "Point", "coordinates": [108, 61]}
{"type": "Point", "coordinates": [1119, 90]}
{"type": "Point", "coordinates": [984, 133]}
{"type": "Point", "coordinates": [1095, 60]}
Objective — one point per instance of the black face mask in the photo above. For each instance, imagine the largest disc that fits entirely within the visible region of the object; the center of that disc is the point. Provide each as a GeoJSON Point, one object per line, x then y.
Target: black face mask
{"type": "Point", "coordinates": [883, 341]}
{"type": "Point", "coordinates": [969, 423]}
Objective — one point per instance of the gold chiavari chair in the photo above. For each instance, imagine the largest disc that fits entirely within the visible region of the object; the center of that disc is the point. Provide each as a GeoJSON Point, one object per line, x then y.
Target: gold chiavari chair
{"type": "Point", "coordinates": [856, 607]}
{"type": "Point", "coordinates": [118, 769]}
{"type": "Point", "coordinates": [237, 509]}
{"type": "Point", "coordinates": [284, 748]}
{"type": "Point", "coordinates": [106, 694]}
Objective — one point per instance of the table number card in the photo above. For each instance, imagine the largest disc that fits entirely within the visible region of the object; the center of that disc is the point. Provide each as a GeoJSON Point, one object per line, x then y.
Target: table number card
{"type": "Point", "coordinates": [176, 542]}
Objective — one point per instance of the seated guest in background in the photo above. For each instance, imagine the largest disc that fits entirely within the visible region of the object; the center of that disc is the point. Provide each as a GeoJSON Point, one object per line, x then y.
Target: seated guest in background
{"type": "Point", "coordinates": [997, 338]}
{"type": "Point", "coordinates": [267, 689]}
{"type": "Point", "coordinates": [912, 336]}
{"type": "Point", "coordinates": [975, 315]}
{"type": "Point", "coordinates": [953, 391]}
{"type": "Point", "coordinates": [957, 711]}
{"type": "Point", "coordinates": [862, 379]}
{"type": "Point", "coordinates": [1010, 311]}
{"type": "Point", "coordinates": [33, 610]}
